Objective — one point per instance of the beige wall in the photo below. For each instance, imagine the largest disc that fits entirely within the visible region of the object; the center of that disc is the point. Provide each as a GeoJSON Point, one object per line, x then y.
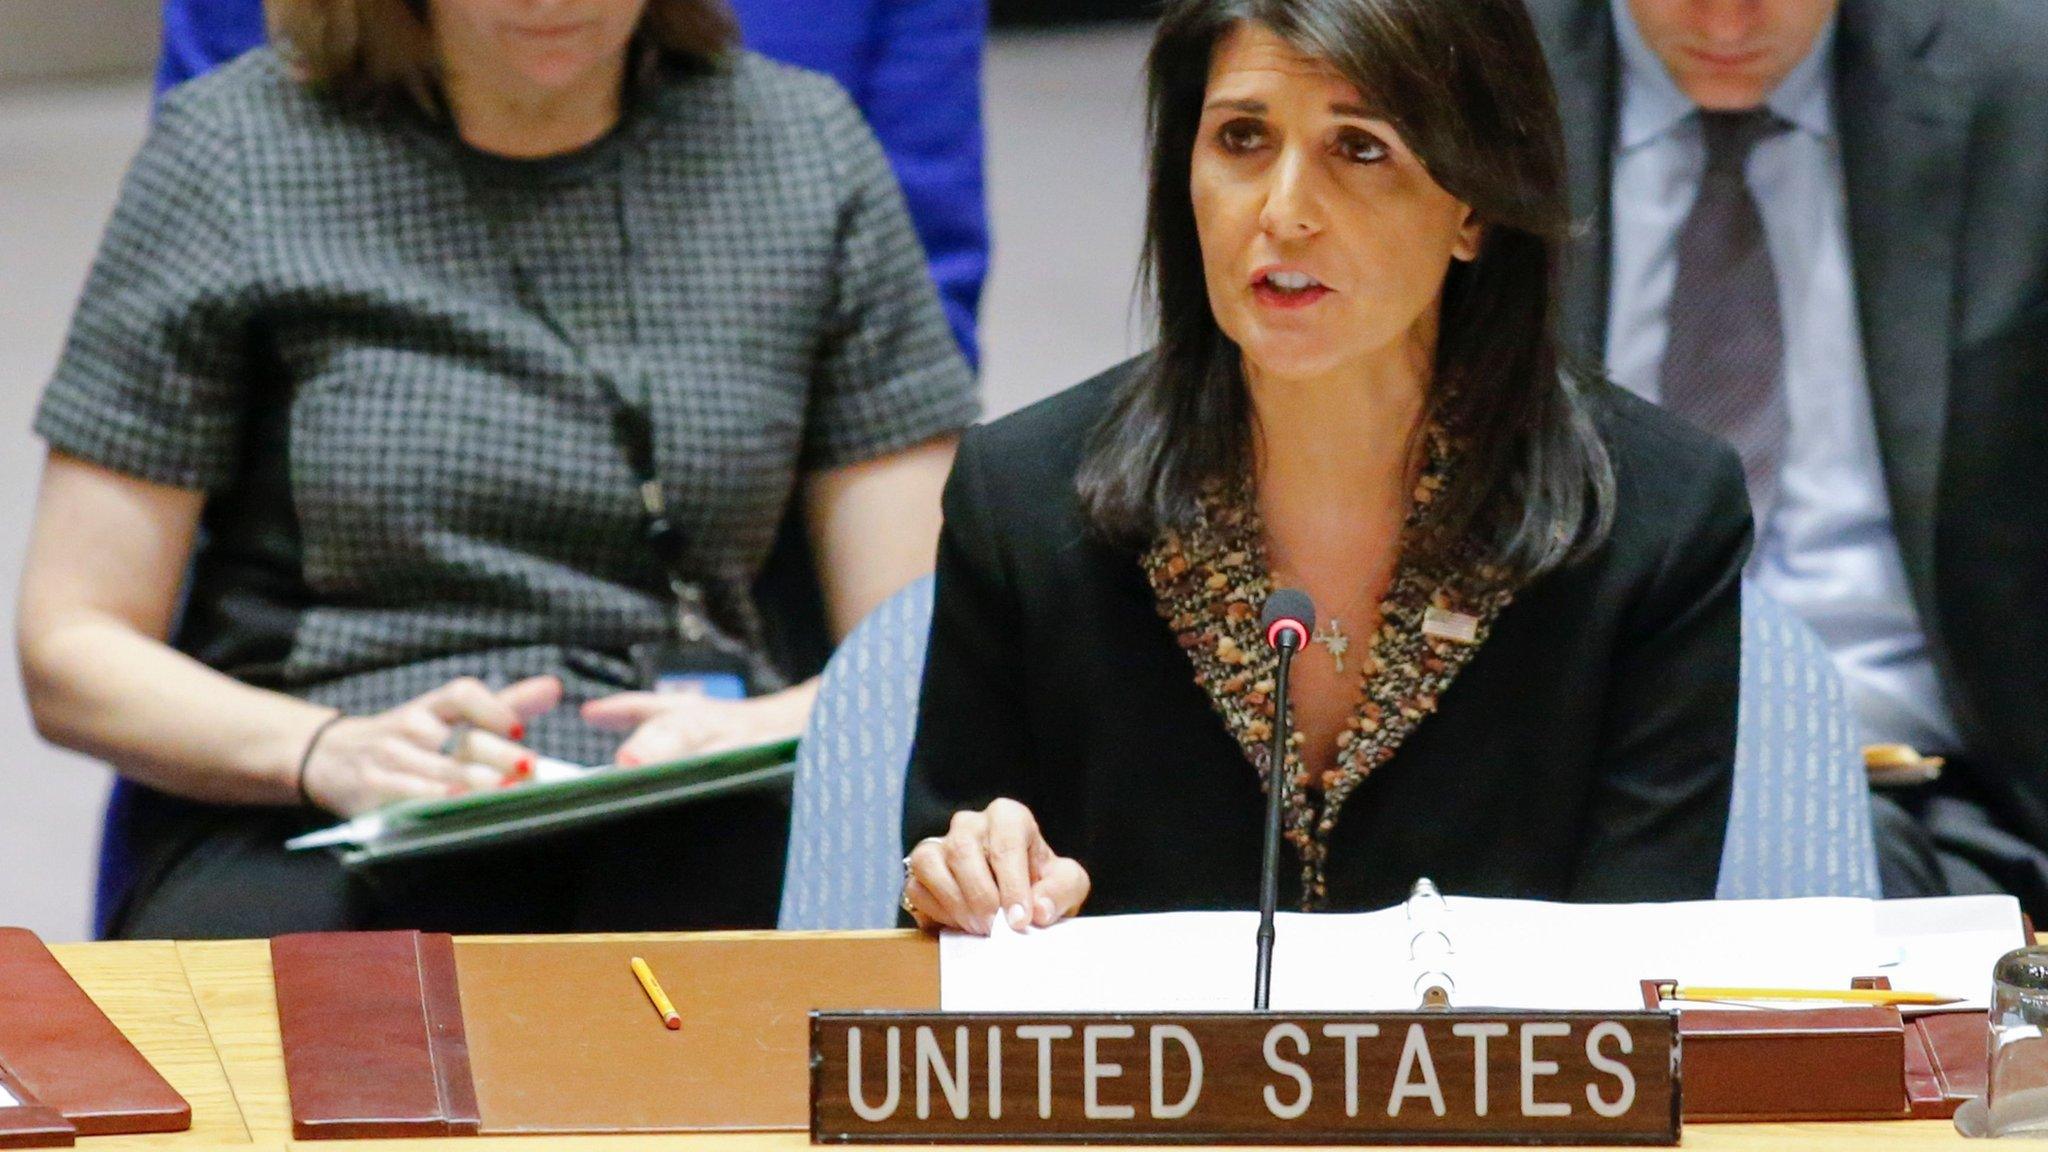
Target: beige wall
{"type": "Point", "coordinates": [47, 38]}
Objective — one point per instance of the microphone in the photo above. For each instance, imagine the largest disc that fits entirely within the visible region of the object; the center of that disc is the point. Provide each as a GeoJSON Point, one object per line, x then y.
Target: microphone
{"type": "Point", "coordinates": [1288, 620]}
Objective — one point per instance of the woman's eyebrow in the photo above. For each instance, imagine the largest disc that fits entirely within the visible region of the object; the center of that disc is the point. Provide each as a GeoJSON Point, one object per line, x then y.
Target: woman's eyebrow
{"type": "Point", "coordinates": [1353, 111]}
{"type": "Point", "coordinates": [1255, 107]}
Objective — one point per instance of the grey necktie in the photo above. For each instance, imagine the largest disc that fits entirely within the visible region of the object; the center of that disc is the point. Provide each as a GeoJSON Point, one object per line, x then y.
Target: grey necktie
{"type": "Point", "coordinates": [1724, 365]}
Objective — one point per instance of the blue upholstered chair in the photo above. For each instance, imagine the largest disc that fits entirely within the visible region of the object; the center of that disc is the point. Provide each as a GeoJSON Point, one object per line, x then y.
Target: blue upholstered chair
{"type": "Point", "coordinates": [845, 836]}
{"type": "Point", "coordinates": [1799, 824]}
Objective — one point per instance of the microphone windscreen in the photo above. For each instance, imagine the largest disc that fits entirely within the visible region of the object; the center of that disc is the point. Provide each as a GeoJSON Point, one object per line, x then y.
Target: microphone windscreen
{"type": "Point", "coordinates": [1288, 604]}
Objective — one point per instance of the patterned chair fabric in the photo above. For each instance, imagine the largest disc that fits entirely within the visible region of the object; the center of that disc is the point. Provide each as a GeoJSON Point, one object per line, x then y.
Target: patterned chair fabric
{"type": "Point", "coordinates": [845, 838]}
{"type": "Point", "coordinates": [1799, 823]}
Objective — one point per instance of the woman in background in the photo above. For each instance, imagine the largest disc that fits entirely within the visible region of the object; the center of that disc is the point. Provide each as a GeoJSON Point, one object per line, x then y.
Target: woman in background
{"type": "Point", "coordinates": [1525, 681]}
{"type": "Point", "coordinates": [913, 67]}
{"type": "Point", "coordinates": [468, 354]}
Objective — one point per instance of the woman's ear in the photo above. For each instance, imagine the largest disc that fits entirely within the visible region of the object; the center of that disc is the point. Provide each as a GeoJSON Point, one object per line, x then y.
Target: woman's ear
{"type": "Point", "coordinates": [1470, 233]}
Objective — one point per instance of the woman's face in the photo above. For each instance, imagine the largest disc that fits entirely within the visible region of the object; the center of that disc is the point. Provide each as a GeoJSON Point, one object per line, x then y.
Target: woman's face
{"type": "Point", "coordinates": [1324, 241]}
{"type": "Point", "coordinates": [536, 47]}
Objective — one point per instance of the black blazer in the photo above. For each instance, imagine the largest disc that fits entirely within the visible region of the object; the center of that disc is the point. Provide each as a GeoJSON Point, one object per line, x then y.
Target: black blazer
{"type": "Point", "coordinates": [1584, 753]}
{"type": "Point", "coordinates": [1942, 107]}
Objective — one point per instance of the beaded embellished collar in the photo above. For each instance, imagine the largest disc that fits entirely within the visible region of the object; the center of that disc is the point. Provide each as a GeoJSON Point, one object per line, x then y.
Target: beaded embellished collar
{"type": "Point", "coordinates": [1211, 577]}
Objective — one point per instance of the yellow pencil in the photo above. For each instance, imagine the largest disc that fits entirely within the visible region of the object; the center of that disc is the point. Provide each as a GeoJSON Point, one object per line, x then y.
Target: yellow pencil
{"type": "Point", "coordinates": [1847, 995]}
{"type": "Point", "coordinates": [652, 987]}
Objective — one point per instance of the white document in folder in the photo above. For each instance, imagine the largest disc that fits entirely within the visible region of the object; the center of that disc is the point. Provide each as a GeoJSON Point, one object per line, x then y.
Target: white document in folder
{"type": "Point", "coordinates": [1503, 954]}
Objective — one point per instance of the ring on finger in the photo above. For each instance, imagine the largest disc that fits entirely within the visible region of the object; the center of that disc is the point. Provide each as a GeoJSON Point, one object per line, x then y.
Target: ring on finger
{"type": "Point", "coordinates": [456, 746]}
{"type": "Point", "coordinates": [905, 901]}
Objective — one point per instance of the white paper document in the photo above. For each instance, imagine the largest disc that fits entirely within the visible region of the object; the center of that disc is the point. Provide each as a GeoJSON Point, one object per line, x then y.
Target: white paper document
{"type": "Point", "coordinates": [1497, 953]}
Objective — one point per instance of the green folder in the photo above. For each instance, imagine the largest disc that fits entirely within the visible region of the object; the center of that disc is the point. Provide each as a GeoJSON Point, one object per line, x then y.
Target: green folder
{"type": "Point", "coordinates": [418, 828]}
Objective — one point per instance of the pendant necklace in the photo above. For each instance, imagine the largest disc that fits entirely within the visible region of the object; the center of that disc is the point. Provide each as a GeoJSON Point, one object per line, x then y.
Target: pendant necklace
{"type": "Point", "coordinates": [1331, 635]}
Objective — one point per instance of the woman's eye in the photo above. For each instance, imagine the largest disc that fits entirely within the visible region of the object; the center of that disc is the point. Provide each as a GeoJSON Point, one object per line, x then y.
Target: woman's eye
{"type": "Point", "coordinates": [1240, 136]}
{"type": "Point", "coordinates": [1361, 147]}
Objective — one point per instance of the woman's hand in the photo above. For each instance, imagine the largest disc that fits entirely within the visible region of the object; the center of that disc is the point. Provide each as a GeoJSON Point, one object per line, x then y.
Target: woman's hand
{"type": "Point", "coordinates": [672, 725]}
{"type": "Point", "coordinates": [992, 861]}
{"type": "Point", "coordinates": [365, 762]}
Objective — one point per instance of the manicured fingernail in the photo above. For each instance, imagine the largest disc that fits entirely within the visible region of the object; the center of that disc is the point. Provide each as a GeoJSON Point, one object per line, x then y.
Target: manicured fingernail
{"type": "Point", "coordinates": [1045, 910]}
{"type": "Point", "coordinates": [518, 731]}
{"type": "Point", "coordinates": [628, 760]}
{"type": "Point", "coordinates": [1018, 918]}
{"type": "Point", "coordinates": [524, 769]}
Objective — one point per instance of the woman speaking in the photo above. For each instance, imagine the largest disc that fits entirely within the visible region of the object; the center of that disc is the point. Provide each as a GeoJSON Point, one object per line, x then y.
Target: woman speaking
{"type": "Point", "coordinates": [1524, 683]}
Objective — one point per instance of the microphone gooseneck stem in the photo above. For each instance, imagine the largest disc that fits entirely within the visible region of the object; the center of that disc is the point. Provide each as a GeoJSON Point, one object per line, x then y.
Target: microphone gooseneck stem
{"type": "Point", "coordinates": [1277, 783]}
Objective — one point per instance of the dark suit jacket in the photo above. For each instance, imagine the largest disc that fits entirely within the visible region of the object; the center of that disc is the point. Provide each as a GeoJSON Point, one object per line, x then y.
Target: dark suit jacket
{"type": "Point", "coordinates": [1942, 107]}
{"type": "Point", "coordinates": [1583, 753]}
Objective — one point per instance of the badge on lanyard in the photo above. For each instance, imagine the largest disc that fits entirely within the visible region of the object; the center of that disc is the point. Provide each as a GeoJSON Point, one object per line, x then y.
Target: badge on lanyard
{"type": "Point", "coordinates": [699, 669]}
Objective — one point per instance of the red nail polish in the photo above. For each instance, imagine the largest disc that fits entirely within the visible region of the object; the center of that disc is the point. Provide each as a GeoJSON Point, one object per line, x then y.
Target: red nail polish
{"type": "Point", "coordinates": [525, 768]}
{"type": "Point", "coordinates": [628, 760]}
{"type": "Point", "coordinates": [518, 731]}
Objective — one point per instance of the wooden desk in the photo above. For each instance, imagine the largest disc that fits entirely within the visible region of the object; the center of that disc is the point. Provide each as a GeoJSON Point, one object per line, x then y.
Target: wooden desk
{"type": "Point", "coordinates": [205, 1014]}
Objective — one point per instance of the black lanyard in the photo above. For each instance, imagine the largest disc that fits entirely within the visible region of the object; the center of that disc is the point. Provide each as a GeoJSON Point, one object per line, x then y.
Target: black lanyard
{"type": "Point", "coordinates": [632, 429]}
{"type": "Point", "coordinates": [634, 432]}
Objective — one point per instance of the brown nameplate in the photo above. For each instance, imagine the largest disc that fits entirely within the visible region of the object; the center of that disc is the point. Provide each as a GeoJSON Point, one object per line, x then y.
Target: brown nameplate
{"type": "Point", "coordinates": [1837, 1063]}
{"type": "Point", "coordinates": [27, 1122]}
{"type": "Point", "coordinates": [372, 1030]}
{"type": "Point", "coordinates": [71, 1068]}
{"type": "Point", "coordinates": [1247, 1078]}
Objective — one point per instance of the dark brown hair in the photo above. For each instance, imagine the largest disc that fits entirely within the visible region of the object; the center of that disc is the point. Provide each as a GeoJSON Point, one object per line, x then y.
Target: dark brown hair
{"type": "Point", "coordinates": [1465, 84]}
{"type": "Point", "coordinates": [375, 51]}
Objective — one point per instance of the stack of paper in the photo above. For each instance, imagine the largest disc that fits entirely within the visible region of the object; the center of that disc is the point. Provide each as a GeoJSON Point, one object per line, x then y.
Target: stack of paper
{"type": "Point", "coordinates": [1505, 954]}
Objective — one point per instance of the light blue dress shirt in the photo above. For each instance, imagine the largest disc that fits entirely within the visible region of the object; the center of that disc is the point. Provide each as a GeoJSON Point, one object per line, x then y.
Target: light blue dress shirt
{"type": "Point", "coordinates": [1827, 549]}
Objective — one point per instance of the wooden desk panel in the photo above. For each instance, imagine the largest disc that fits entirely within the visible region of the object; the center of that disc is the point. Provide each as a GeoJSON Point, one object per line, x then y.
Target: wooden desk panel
{"type": "Point", "coordinates": [230, 979]}
{"type": "Point", "coordinates": [230, 1067]}
{"type": "Point", "coordinates": [141, 986]}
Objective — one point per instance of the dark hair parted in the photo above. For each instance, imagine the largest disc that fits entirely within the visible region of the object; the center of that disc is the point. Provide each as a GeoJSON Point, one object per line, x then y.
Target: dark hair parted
{"type": "Point", "coordinates": [1465, 84]}
{"type": "Point", "coordinates": [374, 51]}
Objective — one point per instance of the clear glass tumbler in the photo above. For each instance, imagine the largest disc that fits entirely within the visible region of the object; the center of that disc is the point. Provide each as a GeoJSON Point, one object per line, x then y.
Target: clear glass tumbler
{"type": "Point", "coordinates": [2017, 1102]}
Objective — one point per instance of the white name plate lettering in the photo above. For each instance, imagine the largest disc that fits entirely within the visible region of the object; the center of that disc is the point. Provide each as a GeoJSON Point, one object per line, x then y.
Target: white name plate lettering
{"type": "Point", "coordinates": [1247, 1078]}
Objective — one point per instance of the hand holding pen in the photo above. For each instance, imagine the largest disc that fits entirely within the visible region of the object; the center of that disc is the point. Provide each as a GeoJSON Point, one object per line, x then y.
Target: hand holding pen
{"type": "Point", "coordinates": [458, 738]}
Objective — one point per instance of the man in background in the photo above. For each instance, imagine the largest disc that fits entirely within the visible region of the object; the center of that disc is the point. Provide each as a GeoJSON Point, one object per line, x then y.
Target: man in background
{"type": "Point", "coordinates": [1819, 229]}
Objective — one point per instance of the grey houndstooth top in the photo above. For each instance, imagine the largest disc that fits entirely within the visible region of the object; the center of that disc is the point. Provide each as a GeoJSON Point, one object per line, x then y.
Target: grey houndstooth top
{"type": "Point", "coordinates": [376, 350]}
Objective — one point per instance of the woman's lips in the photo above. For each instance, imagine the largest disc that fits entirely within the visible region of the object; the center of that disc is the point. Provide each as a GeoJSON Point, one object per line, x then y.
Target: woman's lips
{"type": "Point", "coordinates": [1265, 293]}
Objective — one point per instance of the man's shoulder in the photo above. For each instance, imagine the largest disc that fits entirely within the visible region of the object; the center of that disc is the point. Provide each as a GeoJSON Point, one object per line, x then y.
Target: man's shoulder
{"type": "Point", "coordinates": [1992, 50]}
{"type": "Point", "coordinates": [2003, 45]}
{"type": "Point", "coordinates": [1562, 23]}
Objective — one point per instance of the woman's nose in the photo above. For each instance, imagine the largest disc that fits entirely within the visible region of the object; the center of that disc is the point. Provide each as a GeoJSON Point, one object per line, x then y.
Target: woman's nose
{"type": "Point", "coordinates": [1290, 211]}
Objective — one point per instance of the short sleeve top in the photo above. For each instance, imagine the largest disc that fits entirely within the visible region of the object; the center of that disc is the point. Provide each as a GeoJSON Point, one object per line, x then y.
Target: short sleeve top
{"type": "Point", "coordinates": [390, 361]}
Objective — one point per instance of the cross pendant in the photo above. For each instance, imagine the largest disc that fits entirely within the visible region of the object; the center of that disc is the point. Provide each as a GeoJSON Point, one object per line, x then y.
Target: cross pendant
{"type": "Point", "coordinates": [1331, 637]}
